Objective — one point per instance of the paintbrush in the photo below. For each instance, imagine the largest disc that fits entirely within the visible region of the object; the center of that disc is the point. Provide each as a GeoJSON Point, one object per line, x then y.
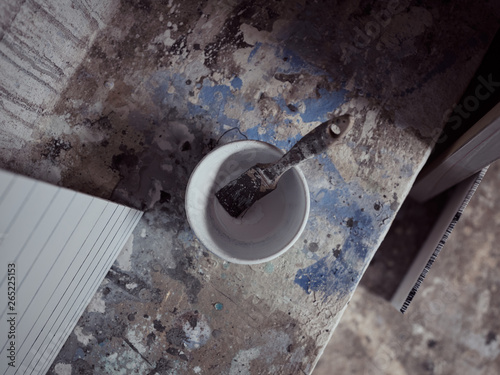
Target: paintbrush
{"type": "Point", "coordinates": [240, 194]}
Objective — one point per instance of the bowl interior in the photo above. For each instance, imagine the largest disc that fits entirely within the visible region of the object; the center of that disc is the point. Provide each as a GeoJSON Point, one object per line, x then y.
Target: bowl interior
{"type": "Point", "coordinates": [268, 228]}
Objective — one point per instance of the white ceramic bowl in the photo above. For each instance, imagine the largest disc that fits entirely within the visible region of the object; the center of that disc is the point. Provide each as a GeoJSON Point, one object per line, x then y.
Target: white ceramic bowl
{"type": "Point", "coordinates": [269, 228]}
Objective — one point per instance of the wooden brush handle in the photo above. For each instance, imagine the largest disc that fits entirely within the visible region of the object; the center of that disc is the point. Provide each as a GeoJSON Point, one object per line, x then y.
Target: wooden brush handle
{"type": "Point", "coordinates": [313, 143]}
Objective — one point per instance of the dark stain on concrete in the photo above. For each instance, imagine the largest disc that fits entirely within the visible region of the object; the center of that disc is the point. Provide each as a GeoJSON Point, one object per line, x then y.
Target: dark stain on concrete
{"type": "Point", "coordinates": [102, 123]}
{"type": "Point", "coordinates": [165, 197]}
{"type": "Point", "coordinates": [158, 326]}
{"type": "Point", "coordinates": [490, 337]}
{"type": "Point", "coordinates": [81, 367]}
{"type": "Point", "coordinates": [228, 40]}
{"type": "Point", "coordinates": [313, 247]}
{"type": "Point", "coordinates": [351, 223]}
{"type": "Point", "coordinates": [260, 14]}
{"type": "Point", "coordinates": [216, 333]}
{"type": "Point", "coordinates": [97, 52]}
{"type": "Point", "coordinates": [283, 77]}
{"type": "Point", "coordinates": [120, 279]}
{"type": "Point", "coordinates": [163, 367]}
{"type": "Point", "coordinates": [176, 336]}
{"type": "Point", "coordinates": [54, 147]}
{"type": "Point", "coordinates": [150, 339]}
{"type": "Point", "coordinates": [142, 5]}
{"type": "Point", "coordinates": [177, 353]}
{"type": "Point", "coordinates": [125, 161]}
{"type": "Point", "coordinates": [180, 272]}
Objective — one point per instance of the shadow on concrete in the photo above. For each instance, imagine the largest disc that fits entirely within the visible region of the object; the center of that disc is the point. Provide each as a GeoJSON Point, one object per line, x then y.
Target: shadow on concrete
{"type": "Point", "coordinates": [394, 257]}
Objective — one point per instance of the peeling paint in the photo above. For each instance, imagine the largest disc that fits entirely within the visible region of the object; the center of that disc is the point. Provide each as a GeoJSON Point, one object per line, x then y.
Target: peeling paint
{"type": "Point", "coordinates": [82, 337]}
{"type": "Point", "coordinates": [240, 365]}
{"type": "Point", "coordinates": [62, 369]}
{"type": "Point", "coordinates": [197, 334]}
{"type": "Point", "coordinates": [124, 258]}
{"type": "Point", "coordinates": [97, 304]}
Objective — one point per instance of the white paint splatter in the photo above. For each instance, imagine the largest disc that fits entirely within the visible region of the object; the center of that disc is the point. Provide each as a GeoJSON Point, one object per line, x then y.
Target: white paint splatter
{"type": "Point", "coordinates": [165, 39]}
{"type": "Point", "coordinates": [131, 285]}
{"type": "Point", "coordinates": [477, 342]}
{"type": "Point", "coordinates": [197, 370]}
{"type": "Point", "coordinates": [127, 362]}
{"type": "Point", "coordinates": [483, 304]}
{"type": "Point", "coordinates": [82, 337]}
{"type": "Point", "coordinates": [198, 335]}
{"type": "Point", "coordinates": [136, 338]}
{"type": "Point", "coordinates": [417, 329]}
{"type": "Point", "coordinates": [241, 362]}
{"type": "Point", "coordinates": [123, 261]}
{"type": "Point", "coordinates": [252, 35]}
{"type": "Point", "coordinates": [97, 304]}
{"type": "Point", "coordinates": [155, 192]}
{"type": "Point", "coordinates": [62, 369]}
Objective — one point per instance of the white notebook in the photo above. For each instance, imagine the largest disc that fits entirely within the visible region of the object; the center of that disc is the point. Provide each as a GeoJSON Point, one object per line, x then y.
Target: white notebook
{"type": "Point", "coordinates": [56, 247]}
{"type": "Point", "coordinates": [473, 151]}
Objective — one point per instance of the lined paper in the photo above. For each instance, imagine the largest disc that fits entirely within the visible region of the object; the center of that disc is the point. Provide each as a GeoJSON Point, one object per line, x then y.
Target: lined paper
{"type": "Point", "coordinates": [62, 244]}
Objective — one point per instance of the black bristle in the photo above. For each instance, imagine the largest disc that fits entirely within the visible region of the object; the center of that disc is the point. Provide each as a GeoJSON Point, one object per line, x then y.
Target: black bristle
{"type": "Point", "coordinates": [238, 195]}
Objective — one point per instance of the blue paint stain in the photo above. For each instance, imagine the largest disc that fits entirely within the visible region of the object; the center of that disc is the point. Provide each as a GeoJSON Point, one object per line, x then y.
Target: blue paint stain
{"type": "Point", "coordinates": [236, 83]}
{"type": "Point", "coordinates": [79, 354]}
{"type": "Point", "coordinates": [283, 106]}
{"type": "Point", "coordinates": [249, 106]}
{"type": "Point", "coordinates": [218, 306]}
{"type": "Point", "coordinates": [342, 206]}
{"type": "Point", "coordinates": [253, 133]}
{"type": "Point", "coordinates": [159, 84]}
{"type": "Point", "coordinates": [295, 64]}
{"type": "Point", "coordinates": [329, 275]}
{"type": "Point", "coordinates": [254, 51]}
{"type": "Point", "coordinates": [337, 274]}
{"type": "Point", "coordinates": [317, 109]}
{"type": "Point", "coordinates": [213, 100]}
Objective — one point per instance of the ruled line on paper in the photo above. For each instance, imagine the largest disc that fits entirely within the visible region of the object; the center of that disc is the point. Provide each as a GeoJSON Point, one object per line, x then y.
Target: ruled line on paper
{"type": "Point", "coordinates": [63, 243]}
{"type": "Point", "coordinates": [102, 273]}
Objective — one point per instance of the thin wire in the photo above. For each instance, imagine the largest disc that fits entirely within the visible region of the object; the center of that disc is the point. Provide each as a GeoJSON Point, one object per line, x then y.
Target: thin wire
{"type": "Point", "coordinates": [227, 131]}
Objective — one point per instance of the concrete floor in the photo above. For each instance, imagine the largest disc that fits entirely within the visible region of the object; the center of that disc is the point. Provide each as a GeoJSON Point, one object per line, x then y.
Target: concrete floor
{"type": "Point", "coordinates": [452, 325]}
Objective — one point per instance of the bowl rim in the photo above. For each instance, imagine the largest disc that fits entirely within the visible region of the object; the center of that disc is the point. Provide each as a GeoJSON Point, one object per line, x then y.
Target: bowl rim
{"type": "Point", "coordinates": [225, 256]}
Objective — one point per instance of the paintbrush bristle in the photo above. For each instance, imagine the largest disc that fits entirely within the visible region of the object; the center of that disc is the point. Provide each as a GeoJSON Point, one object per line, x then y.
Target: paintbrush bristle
{"type": "Point", "coordinates": [241, 193]}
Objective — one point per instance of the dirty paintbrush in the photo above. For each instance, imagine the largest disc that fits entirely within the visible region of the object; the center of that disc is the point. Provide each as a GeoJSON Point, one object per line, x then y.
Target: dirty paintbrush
{"type": "Point", "coordinates": [240, 194]}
